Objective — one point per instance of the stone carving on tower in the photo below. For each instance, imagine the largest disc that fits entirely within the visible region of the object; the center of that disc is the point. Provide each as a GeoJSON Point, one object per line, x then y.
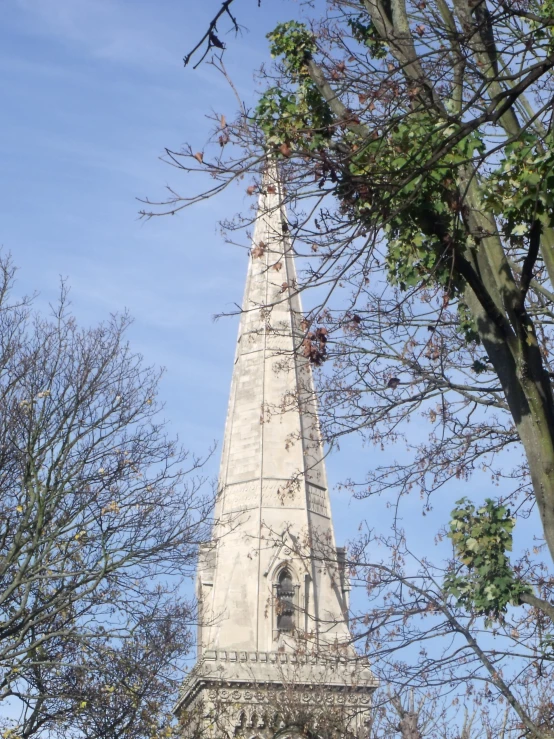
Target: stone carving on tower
{"type": "Point", "coordinates": [274, 648]}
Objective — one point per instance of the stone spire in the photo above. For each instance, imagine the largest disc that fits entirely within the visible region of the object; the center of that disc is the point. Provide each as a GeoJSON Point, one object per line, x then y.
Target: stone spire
{"type": "Point", "coordinates": [272, 578]}
{"type": "Point", "coordinates": [273, 495]}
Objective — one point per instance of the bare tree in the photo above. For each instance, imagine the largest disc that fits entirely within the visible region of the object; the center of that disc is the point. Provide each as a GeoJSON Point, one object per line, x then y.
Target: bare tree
{"type": "Point", "coordinates": [457, 652]}
{"type": "Point", "coordinates": [100, 520]}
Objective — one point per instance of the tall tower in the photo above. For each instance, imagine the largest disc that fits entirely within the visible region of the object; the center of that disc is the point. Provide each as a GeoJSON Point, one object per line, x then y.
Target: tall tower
{"type": "Point", "coordinates": [271, 584]}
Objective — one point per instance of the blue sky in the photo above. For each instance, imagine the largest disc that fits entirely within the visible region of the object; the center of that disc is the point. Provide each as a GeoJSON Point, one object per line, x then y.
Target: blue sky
{"type": "Point", "coordinates": [93, 90]}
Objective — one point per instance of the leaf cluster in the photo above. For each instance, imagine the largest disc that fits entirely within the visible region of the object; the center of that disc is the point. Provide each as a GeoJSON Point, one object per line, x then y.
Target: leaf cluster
{"type": "Point", "coordinates": [295, 44]}
{"type": "Point", "coordinates": [521, 190]}
{"type": "Point", "coordinates": [481, 537]}
{"type": "Point", "coordinates": [418, 205]}
{"type": "Point", "coordinates": [364, 31]}
{"type": "Point", "coordinates": [285, 116]}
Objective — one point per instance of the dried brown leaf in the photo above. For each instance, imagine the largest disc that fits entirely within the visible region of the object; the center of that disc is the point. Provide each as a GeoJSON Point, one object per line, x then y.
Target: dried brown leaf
{"type": "Point", "coordinates": [258, 250]}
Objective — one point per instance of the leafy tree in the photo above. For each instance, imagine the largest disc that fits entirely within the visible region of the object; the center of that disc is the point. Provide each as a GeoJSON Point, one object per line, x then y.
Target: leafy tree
{"type": "Point", "coordinates": [417, 136]}
{"type": "Point", "coordinates": [100, 519]}
{"type": "Point", "coordinates": [415, 140]}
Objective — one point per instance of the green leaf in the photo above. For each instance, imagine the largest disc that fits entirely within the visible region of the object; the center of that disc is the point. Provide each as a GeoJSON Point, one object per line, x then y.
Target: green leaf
{"type": "Point", "coordinates": [520, 230]}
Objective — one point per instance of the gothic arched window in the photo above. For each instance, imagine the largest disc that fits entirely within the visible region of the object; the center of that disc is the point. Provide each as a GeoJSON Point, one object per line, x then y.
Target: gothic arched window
{"type": "Point", "coordinates": [285, 601]}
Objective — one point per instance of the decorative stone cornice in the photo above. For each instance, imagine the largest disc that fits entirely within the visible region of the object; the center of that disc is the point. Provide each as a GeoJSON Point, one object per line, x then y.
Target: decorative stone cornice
{"type": "Point", "coordinates": [230, 670]}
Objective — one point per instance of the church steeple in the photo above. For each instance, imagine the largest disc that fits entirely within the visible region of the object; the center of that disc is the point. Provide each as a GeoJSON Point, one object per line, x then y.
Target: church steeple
{"type": "Point", "coordinates": [272, 578]}
{"type": "Point", "coordinates": [273, 495]}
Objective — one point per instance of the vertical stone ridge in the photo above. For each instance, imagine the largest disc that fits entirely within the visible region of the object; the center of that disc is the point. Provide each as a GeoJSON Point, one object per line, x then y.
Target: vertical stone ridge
{"type": "Point", "coordinates": [266, 333]}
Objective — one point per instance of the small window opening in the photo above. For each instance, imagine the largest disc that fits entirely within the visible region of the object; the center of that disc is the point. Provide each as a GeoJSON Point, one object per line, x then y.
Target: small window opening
{"type": "Point", "coordinates": [285, 602]}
